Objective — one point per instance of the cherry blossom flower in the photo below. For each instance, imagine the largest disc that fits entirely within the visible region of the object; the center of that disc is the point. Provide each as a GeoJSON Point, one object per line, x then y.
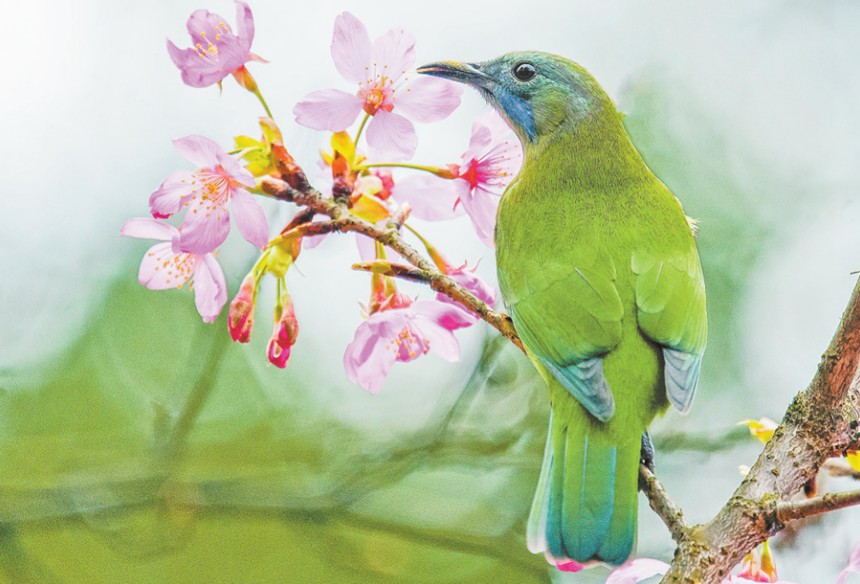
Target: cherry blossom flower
{"type": "Point", "coordinates": [402, 331]}
{"type": "Point", "coordinates": [216, 51]}
{"type": "Point", "coordinates": [853, 566]}
{"type": "Point", "coordinates": [205, 193]}
{"type": "Point", "coordinates": [384, 91]}
{"type": "Point", "coordinates": [484, 172]}
{"type": "Point", "coordinates": [166, 266]}
{"type": "Point", "coordinates": [637, 570]}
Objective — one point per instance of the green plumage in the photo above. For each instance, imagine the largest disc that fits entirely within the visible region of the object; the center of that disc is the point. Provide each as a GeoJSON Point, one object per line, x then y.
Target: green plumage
{"type": "Point", "coordinates": [599, 271]}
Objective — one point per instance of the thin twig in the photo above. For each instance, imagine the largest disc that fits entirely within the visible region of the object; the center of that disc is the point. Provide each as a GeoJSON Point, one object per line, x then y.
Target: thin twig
{"type": "Point", "coordinates": [837, 467]}
{"type": "Point", "coordinates": [390, 237]}
{"type": "Point", "coordinates": [792, 510]}
{"type": "Point", "coordinates": [662, 505]}
{"type": "Point", "coordinates": [394, 270]}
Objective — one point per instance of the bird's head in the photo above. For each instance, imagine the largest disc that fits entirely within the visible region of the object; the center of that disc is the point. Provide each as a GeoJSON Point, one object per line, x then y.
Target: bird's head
{"type": "Point", "coordinates": [537, 93]}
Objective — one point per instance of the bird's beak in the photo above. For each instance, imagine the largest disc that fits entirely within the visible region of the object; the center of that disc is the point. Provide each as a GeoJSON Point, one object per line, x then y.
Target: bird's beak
{"type": "Point", "coordinates": [468, 73]}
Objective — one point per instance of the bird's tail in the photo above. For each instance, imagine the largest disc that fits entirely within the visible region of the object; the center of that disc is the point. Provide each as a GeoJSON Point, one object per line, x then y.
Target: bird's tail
{"type": "Point", "coordinates": [585, 507]}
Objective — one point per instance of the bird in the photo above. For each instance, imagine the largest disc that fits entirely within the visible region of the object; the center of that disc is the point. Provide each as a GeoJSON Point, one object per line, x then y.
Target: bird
{"type": "Point", "coordinates": [600, 274]}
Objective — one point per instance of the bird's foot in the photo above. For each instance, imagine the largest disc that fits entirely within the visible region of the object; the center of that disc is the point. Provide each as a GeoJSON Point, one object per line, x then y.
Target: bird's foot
{"type": "Point", "coordinates": [646, 455]}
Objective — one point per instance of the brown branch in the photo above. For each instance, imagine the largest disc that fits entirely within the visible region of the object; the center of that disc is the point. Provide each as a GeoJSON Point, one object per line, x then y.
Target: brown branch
{"type": "Point", "coordinates": [389, 236]}
{"type": "Point", "coordinates": [822, 421]}
{"type": "Point", "coordinates": [837, 467]}
{"type": "Point", "coordinates": [395, 271]}
{"type": "Point", "coordinates": [670, 513]}
{"type": "Point", "coordinates": [792, 510]}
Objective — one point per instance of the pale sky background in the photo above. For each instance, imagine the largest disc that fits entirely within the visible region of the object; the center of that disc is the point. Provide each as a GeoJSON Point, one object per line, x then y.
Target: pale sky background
{"type": "Point", "coordinates": [90, 100]}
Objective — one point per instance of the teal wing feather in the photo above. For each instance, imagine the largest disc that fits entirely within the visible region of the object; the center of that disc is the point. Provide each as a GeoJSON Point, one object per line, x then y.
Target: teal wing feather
{"type": "Point", "coordinates": [670, 302]}
{"type": "Point", "coordinates": [569, 315]}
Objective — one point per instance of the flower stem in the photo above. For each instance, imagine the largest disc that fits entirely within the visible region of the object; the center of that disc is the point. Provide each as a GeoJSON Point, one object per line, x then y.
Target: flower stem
{"type": "Point", "coordinates": [263, 101]}
{"type": "Point", "coordinates": [361, 128]}
{"type": "Point", "coordinates": [441, 172]}
{"type": "Point", "coordinates": [416, 234]}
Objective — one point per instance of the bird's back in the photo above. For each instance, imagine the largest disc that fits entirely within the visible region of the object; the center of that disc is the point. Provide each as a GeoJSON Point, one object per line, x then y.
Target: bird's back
{"type": "Point", "coordinates": [570, 231]}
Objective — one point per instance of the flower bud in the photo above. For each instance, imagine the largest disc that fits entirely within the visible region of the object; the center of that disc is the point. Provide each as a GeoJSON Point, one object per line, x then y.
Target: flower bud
{"type": "Point", "coordinates": [240, 319]}
{"type": "Point", "coordinates": [284, 335]}
{"type": "Point", "coordinates": [277, 354]}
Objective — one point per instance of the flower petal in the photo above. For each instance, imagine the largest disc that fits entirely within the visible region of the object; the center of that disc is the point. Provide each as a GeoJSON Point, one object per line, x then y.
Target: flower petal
{"type": "Point", "coordinates": [146, 228]}
{"type": "Point", "coordinates": [852, 567]}
{"type": "Point", "coordinates": [210, 287]}
{"type": "Point", "coordinates": [391, 136]}
{"type": "Point", "coordinates": [235, 169]}
{"type": "Point", "coordinates": [430, 197]}
{"type": "Point", "coordinates": [205, 226]}
{"type": "Point", "coordinates": [161, 268]}
{"type": "Point", "coordinates": [250, 218]}
{"type": "Point", "coordinates": [367, 358]}
{"type": "Point", "coordinates": [196, 71]}
{"type": "Point", "coordinates": [202, 25]}
{"type": "Point", "coordinates": [244, 25]}
{"type": "Point", "coordinates": [428, 99]}
{"type": "Point", "coordinates": [443, 315]}
{"type": "Point", "coordinates": [441, 340]}
{"type": "Point", "coordinates": [393, 54]}
{"type": "Point", "coordinates": [199, 150]}
{"type": "Point", "coordinates": [168, 198]}
{"type": "Point", "coordinates": [350, 48]}
{"type": "Point", "coordinates": [481, 206]}
{"type": "Point", "coordinates": [328, 109]}
{"type": "Point", "coordinates": [636, 571]}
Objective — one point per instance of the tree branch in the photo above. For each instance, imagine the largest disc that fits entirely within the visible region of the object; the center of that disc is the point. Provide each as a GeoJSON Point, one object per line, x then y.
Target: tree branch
{"type": "Point", "coordinates": [822, 421]}
{"type": "Point", "coordinates": [389, 236]}
{"type": "Point", "coordinates": [791, 510]}
{"type": "Point", "coordinates": [670, 513]}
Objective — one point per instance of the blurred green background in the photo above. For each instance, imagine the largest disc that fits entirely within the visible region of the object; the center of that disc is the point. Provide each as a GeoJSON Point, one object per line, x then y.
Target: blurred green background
{"type": "Point", "coordinates": [139, 445]}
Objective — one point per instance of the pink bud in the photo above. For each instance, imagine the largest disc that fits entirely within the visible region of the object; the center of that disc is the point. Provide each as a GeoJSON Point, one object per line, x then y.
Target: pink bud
{"type": "Point", "coordinates": [277, 354]}
{"type": "Point", "coordinates": [287, 328]}
{"type": "Point", "coordinates": [284, 336]}
{"type": "Point", "coordinates": [240, 320]}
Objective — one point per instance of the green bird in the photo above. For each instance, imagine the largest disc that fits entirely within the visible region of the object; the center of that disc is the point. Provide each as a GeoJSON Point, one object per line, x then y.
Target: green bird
{"type": "Point", "coordinates": [599, 271]}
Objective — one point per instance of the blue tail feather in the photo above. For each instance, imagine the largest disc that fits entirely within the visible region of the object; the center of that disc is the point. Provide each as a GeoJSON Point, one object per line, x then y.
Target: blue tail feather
{"type": "Point", "coordinates": [585, 508]}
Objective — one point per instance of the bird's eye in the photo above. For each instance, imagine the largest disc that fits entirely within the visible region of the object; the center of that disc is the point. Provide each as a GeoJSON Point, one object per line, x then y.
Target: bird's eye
{"type": "Point", "coordinates": [524, 71]}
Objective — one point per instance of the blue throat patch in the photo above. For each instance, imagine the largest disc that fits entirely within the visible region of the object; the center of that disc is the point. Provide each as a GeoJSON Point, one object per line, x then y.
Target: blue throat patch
{"type": "Point", "coordinates": [518, 111]}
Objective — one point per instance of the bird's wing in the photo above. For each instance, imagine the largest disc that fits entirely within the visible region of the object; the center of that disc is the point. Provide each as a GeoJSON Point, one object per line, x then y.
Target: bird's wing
{"type": "Point", "coordinates": [670, 301]}
{"type": "Point", "coordinates": [569, 315]}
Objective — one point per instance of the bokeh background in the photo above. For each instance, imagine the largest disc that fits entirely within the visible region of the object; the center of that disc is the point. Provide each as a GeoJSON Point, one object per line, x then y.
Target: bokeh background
{"type": "Point", "coordinates": [139, 445]}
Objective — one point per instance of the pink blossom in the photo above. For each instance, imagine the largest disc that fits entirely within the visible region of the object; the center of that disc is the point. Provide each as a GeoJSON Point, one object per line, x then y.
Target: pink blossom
{"type": "Point", "coordinates": [738, 579]}
{"type": "Point", "coordinates": [165, 266]}
{"type": "Point", "coordinates": [205, 193]}
{"type": "Point", "coordinates": [637, 570]}
{"type": "Point", "coordinates": [853, 566]}
{"type": "Point", "coordinates": [484, 172]}
{"type": "Point", "coordinates": [403, 332]}
{"type": "Point", "coordinates": [569, 566]}
{"type": "Point", "coordinates": [216, 51]}
{"type": "Point", "coordinates": [384, 91]}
